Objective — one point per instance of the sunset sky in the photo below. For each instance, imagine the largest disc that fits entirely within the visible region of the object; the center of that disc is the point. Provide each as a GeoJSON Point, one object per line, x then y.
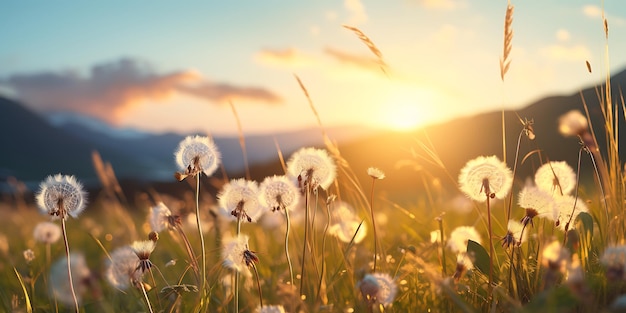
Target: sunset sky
{"type": "Point", "coordinates": [175, 65]}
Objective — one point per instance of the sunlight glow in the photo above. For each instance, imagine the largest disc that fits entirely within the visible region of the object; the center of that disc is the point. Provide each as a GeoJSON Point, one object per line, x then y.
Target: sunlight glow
{"type": "Point", "coordinates": [407, 108]}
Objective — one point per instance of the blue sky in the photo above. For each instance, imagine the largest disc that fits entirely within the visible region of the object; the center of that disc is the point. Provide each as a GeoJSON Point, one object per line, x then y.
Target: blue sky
{"type": "Point", "coordinates": [175, 66]}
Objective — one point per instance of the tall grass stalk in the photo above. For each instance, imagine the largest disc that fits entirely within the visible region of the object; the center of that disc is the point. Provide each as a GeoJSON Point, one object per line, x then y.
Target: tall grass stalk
{"type": "Point", "coordinates": [145, 295]}
{"type": "Point", "coordinates": [374, 223]}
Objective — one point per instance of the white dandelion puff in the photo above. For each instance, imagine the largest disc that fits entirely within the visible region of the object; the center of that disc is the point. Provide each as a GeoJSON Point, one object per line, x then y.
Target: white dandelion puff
{"type": "Point", "coordinates": [313, 168]}
{"type": "Point", "coordinates": [573, 123]}
{"type": "Point", "coordinates": [60, 195]}
{"type": "Point", "coordinates": [197, 154]}
{"type": "Point", "coordinates": [485, 176]}
{"type": "Point", "coordinates": [556, 178]}
{"type": "Point", "coordinates": [239, 199]}
{"type": "Point", "coordinates": [59, 284]}
{"type": "Point", "coordinates": [121, 271]}
{"type": "Point", "coordinates": [160, 218]}
{"type": "Point", "coordinates": [47, 232]}
{"type": "Point", "coordinates": [614, 261]}
{"type": "Point", "coordinates": [537, 203]}
{"type": "Point", "coordinates": [567, 212]}
{"type": "Point", "coordinates": [278, 192]}
{"type": "Point", "coordinates": [378, 288]}
{"type": "Point", "coordinates": [237, 255]}
{"type": "Point", "coordinates": [375, 173]}
{"type": "Point", "coordinates": [457, 241]}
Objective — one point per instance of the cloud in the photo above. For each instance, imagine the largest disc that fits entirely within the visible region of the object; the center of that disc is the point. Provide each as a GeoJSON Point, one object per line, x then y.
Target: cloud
{"type": "Point", "coordinates": [289, 57]}
{"type": "Point", "coordinates": [357, 12]}
{"type": "Point", "coordinates": [360, 61]}
{"type": "Point", "coordinates": [563, 35]}
{"type": "Point", "coordinates": [222, 92]}
{"type": "Point", "coordinates": [594, 11]}
{"type": "Point", "coordinates": [111, 89]}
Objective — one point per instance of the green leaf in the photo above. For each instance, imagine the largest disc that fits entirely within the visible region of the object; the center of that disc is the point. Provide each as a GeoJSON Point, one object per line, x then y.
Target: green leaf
{"type": "Point", "coordinates": [587, 222]}
{"type": "Point", "coordinates": [480, 257]}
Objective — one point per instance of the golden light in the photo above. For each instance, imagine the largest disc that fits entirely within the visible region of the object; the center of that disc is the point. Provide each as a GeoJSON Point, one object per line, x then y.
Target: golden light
{"type": "Point", "coordinates": [407, 108]}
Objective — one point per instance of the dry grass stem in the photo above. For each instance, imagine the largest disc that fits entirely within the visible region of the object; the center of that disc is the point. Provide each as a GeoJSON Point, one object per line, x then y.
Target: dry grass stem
{"type": "Point", "coordinates": [370, 44]}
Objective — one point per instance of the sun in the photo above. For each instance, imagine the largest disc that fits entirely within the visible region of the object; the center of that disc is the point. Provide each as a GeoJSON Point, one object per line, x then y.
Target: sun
{"type": "Point", "coordinates": [407, 108]}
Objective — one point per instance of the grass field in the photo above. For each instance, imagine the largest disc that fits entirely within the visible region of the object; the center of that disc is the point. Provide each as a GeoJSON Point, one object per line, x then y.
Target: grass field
{"type": "Point", "coordinates": [316, 238]}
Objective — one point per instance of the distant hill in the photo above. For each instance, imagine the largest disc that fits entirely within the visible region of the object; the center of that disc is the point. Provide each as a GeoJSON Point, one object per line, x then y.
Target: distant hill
{"type": "Point", "coordinates": [34, 148]}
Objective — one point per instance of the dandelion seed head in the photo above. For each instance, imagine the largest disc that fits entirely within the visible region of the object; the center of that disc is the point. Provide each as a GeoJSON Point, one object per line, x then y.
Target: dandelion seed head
{"type": "Point", "coordinates": [60, 195]}
{"type": "Point", "coordinates": [159, 217]}
{"type": "Point", "coordinates": [143, 248]}
{"type": "Point", "coordinates": [542, 204]}
{"type": "Point", "coordinates": [514, 235]}
{"type": "Point", "coordinates": [234, 253]}
{"type": "Point", "coordinates": [278, 192]}
{"type": "Point", "coordinates": [59, 284]}
{"type": "Point", "coordinates": [240, 199]}
{"type": "Point", "coordinates": [573, 123]}
{"type": "Point", "coordinates": [47, 232]}
{"type": "Point", "coordinates": [344, 223]}
{"type": "Point", "coordinates": [485, 175]}
{"type": "Point", "coordinates": [565, 207]}
{"type": "Point", "coordinates": [313, 166]}
{"type": "Point", "coordinates": [375, 173]}
{"type": "Point", "coordinates": [457, 242]}
{"type": "Point", "coordinates": [556, 178]}
{"type": "Point", "coordinates": [614, 261]}
{"type": "Point", "coordinates": [29, 255]}
{"type": "Point", "coordinates": [198, 153]}
{"type": "Point", "coordinates": [378, 288]}
{"type": "Point", "coordinates": [121, 271]}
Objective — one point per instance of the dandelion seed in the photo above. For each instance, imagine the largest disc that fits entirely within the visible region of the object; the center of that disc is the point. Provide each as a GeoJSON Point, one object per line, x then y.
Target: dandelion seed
{"type": "Point", "coordinates": [313, 168]}
{"type": "Point", "coordinates": [47, 233]}
{"type": "Point", "coordinates": [278, 192]}
{"type": "Point", "coordinates": [375, 173]}
{"type": "Point", "coordinates": [59, 284]}
{"type": "Point", "coordinates": [161, 218]}
{"type": "Point", "coordinates": [614, 261]}
{"type": "Point", "coordinates": [378, 288]}
{"type": "Point", "coordinates": [485, 176]}
{"type": "Point", "coordinates": [556, 178]}
{"type": "Point", "coordinates": [236, 254]}
{"type": "Point", "coordinates": [121, 271]}
{"type": "Point", "coordinates": [457, 242]}
{"type": "Point", "coordinates": [239, 200]}
{"type": "Point", "coordinates": [143, 249]}
{"type": "Point", "coordinates": [60, 195]}
{"type": "Point", "coordinates": [573, 123]}
{"type": "Point", "coordinates": [29, 255]}
{"type": "Point", "coordinates": [196, 154]}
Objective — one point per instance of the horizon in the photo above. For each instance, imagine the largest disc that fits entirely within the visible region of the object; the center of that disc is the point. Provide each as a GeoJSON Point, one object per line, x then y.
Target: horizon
{"type": "Point", "coordinates": [177, 68]}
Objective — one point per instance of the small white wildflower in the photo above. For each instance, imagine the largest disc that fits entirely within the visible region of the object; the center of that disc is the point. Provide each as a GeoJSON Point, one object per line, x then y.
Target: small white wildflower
{"type": "Point", "coordinates": [375, 173]}
{"type": "Point", "coordinates": [29, 255]}
{"type": "Point", "coordinates": [47, 232]}
{"type": "Point", "coordinates": [60, 195]}
{"type": "Point", "coordinates": [485, 176]}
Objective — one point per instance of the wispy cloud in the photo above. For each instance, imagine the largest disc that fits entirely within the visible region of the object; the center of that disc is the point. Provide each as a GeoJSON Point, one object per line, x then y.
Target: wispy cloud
{"type": "Point", "coordinates": [289, 57]}
{"type": "Point", "coordinates": [110, 90]}
{"type": "Point", "coordinates": [571, 53]}
{"type": "Point", "coordinates": [442, 4]}
{"type": "Point", "coordinates": [361, 61]}
{"type": "Point", "coordinates": [594, 11]}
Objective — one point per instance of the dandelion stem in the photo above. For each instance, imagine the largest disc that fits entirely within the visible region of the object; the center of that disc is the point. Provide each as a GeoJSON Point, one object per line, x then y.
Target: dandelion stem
{"type": "Point", "coordinates": [236, 304]}
{"type": "Point", "coordinates": [306, 233]}
{"type": "Point", "coordinates": [258, 284]}
{"type": "Point", "coordinates": [443, 250]}
{"type": "Point", "coordinates": [200, 233]}
{"type": "Point", "coordinates": [69, 267]}
{"type": "Point", "coordinates": [489, 287]}
{"type": "Point", "coordinates": [374, 223]}
{"type": "Point", "coordinates": [510, 205]}
{"type": "Point", "coordinates": [287, 246]}
{"type": "Point", "coordinates": [319, 285]}
{"type": "Point", "coordinates": [145, 295]}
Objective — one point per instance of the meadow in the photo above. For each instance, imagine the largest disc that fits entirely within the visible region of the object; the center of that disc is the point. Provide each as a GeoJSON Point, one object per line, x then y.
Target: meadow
{"type": "Point", "coordinates": [319, 237]}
